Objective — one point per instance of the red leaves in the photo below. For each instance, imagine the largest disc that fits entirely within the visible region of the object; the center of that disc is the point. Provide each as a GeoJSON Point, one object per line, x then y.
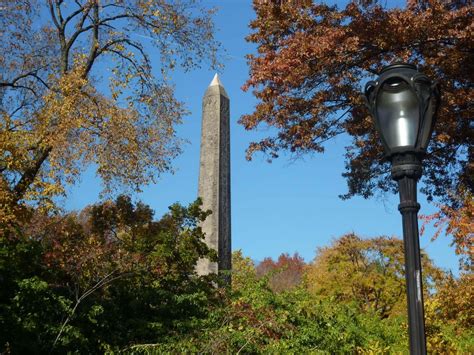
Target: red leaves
{"type": "Point", "coordinates": [313, 61]}
{"type": "Point", "coordinates": [285, 273]}
{"type": "Point", "coordinates": [308, 49]}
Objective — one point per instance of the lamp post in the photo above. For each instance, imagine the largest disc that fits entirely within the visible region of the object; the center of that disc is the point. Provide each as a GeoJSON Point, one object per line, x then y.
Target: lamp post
{"type": "Point", "coordinates": [403, 102]}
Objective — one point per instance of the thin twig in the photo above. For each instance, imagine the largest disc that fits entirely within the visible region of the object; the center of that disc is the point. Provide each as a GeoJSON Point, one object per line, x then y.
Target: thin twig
{"type": "Point", "coordinates": [105, 280]}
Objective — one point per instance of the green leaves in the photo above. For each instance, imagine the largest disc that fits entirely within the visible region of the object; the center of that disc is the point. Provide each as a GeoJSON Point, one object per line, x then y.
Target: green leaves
{"type": "Point", "coordinates": [103, 278]}
{"type": "Point", "coordinates": [110, 279]}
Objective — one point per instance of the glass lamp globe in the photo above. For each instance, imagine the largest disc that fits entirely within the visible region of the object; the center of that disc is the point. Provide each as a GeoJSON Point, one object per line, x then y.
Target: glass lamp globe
{"type": "Point", "coordinates": [403, 102]}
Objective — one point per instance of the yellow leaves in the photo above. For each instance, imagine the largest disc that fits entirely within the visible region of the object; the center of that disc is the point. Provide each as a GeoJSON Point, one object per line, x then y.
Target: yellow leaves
{"type": "Point", "coordinates": [80, 126]}
{"type": "Point", "coordinates": [366, 271]}
{"type": "Point", "coordinates": [374, 348]}
{"type": "Point", "coordinates": [448, 314]}
{"type": "Point", "coordinates": [127, 129]}
{"type": "Point", "coordinates": [119, 47]}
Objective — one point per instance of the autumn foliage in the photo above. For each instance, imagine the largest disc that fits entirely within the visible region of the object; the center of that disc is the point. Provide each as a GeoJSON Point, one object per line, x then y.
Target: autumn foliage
{"type": "Point", "coordinates": [77, 89]}
{"type": "Point", "coordinates": [96, 280]}
{"type": "Point", "coordinates": [312, 62]}
{"type": "Point", "coordinates": [284, 274]}
{"type": "Point", "coordinates": [457, 222]}
{"type": "Point", "coordinates": [367, 271]}
{"type": "Point", "coordinates": [112, 278]}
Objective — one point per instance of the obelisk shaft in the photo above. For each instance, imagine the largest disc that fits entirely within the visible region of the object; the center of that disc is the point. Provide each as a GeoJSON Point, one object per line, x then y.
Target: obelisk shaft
{"type": "Point", "coordinates": [214, 177]}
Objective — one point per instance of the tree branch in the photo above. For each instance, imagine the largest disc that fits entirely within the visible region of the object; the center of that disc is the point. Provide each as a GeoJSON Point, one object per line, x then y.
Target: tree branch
{"type": "Point", "coordinates": [59, 15]}
{"type": "Point", "coordinates": [102, 282]}
{"type": "Point", "coordinates": [82, 9]}
{"type": "Point", "coordinates": [107, 48]}
{"type": "Point", "coordinates": [98, 23]}
{"type": "Point", "coordinates": [33, 74]}
{"type": "Point", "coordinates": [30, 174]}
{"type": "Point", "coordinates": [53, 15]}
{"type": "Point", "coordinates": [95, 41]}
{"type": "Point", "coordinates": [19, 87]}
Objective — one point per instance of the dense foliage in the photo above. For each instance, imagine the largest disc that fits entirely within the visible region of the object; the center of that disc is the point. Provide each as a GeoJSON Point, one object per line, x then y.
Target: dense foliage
{"type": "Point", "coordinates": [313, 60]}
{"type": "Point", "coordinates": [284, 273]}
{"type": "Point", "coordinates": [255, 319]}
{"type": "Point", "coordinates": [370, 271]}
{"type": "Point", "coordinates": [102, 279]}
{"type": "Point", "coordinates": [112, 279]}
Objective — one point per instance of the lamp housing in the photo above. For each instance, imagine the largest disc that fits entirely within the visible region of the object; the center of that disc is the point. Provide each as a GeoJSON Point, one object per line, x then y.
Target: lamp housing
{"type": "Point", "coordinates": [403, 102]}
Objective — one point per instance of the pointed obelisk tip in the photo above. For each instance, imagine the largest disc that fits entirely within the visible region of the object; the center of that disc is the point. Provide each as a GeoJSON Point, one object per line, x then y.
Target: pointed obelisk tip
{"type": "Point", "coordinates": [215, 81]}
{"type": "Point", "coordinates": [216, 87]}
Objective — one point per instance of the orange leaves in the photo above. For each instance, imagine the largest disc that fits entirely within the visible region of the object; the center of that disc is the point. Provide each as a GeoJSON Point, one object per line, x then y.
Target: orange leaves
{"type": "Point", "coordinates": [310, 47]}
{"type": "Point", "coordinates": [305, 40]}
{"type": "Point", "coordinates": [457, 222]}
{"type": "Point", "coordinates": [313, 61]}
{"type": "Point", "coordinates": [454, 301]}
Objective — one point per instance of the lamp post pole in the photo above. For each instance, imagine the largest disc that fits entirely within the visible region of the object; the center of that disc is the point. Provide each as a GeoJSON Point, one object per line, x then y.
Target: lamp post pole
{"type": "Point", "coordinates": [403, 102]}
{"type": "Point", "coordinates": [406, 170]}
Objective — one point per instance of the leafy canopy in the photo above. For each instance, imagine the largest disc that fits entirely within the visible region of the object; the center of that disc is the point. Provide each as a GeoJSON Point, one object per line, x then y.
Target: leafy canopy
{"type": "Point", "coordinates": [77, 88]}
{"type": "Point", "coordinates": [313, 60]}
{"type": "Point", "coordinates": [367, 272]}
{"type": "Point", "coordinates": [103, 279]}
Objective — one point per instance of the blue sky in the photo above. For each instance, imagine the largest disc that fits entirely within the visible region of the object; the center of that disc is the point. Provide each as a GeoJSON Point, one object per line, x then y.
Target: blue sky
{"type": "Point", "coordinates": [286, 206]}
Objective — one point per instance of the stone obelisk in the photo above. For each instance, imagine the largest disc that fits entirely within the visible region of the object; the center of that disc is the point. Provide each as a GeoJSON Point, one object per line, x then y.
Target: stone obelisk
{"type": "Point", "coordinates": [214, 176]}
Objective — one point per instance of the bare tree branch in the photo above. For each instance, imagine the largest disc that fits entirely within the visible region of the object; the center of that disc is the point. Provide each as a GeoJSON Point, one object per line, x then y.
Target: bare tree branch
{"type": "Point", "coordinates": [95, 39]}
{"type": "Point", "coordinates": [53, 15]}
{"type": "Point", "coordinates": [102, 282]}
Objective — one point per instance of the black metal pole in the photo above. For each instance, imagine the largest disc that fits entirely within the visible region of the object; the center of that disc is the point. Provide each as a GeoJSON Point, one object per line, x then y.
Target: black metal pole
{"type": "Point", "coordinates": [406, 170]}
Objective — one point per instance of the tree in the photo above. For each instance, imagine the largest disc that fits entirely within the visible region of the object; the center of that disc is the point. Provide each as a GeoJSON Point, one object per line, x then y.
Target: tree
{"type": "Point", "coordinates": [368, 272]}
{"type": "Point", "coordinates": [285, 273]}
{"type": "Point", "coordinates": [254, 319]}
{"type": "Point", "coordinates": [313, 60]}
{"type": "Point", "coordinates": [77, 88]}
{"type": "Point", "coordinates": [449, 318]}
{"type": "Point", "coordinates": [243, 271]}
{"type": "Point", "coordinates": [103, 279]}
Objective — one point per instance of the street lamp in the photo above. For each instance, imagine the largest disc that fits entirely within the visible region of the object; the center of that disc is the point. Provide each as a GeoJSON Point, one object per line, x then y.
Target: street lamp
{"type": "Point", "coordinates": [403, 102]}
